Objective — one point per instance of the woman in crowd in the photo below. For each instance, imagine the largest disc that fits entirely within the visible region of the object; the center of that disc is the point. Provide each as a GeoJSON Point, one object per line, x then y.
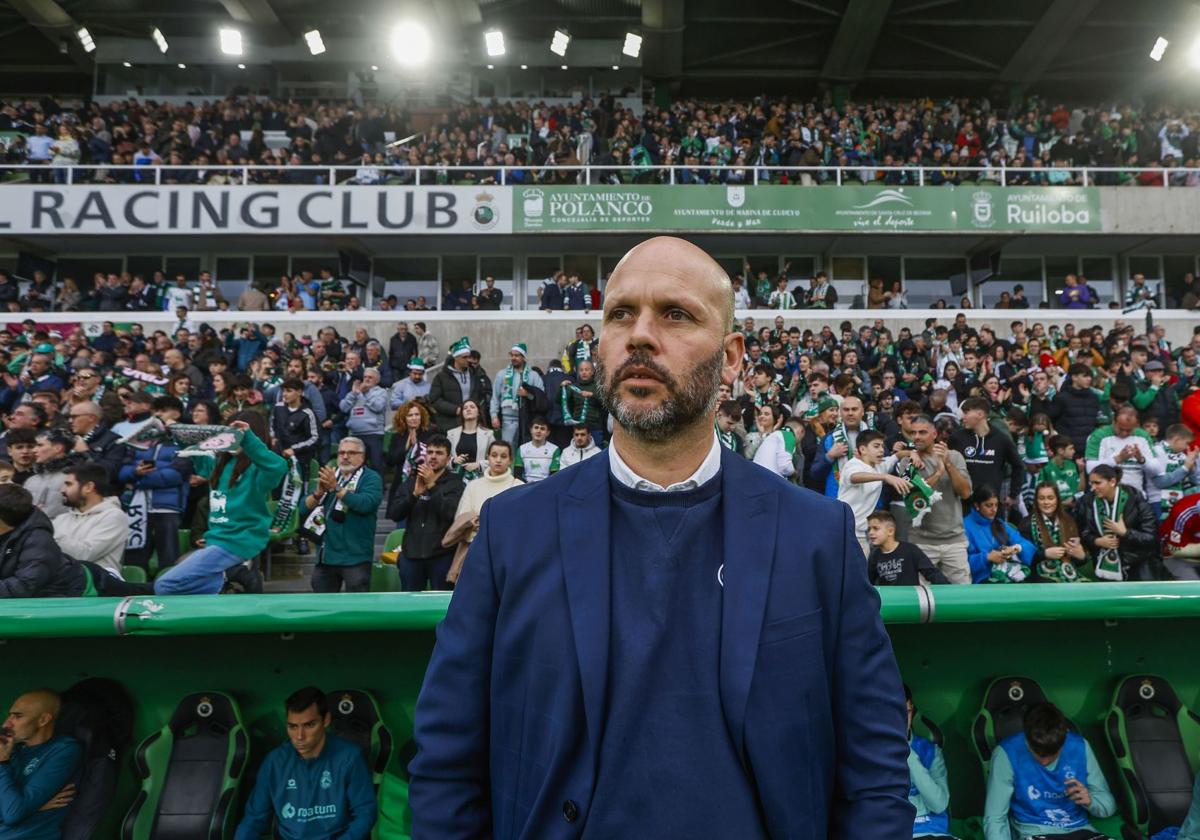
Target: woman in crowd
{"type": "Point", "coordinates": [468, 442]}
{"type": "Point", "coordinates": [239, 521]}
{"type": "Point", "coordinates": [493, 481]}
{"type": "Point", "coordinates": [950, 383]}
{"type": "Point", "coordinates": [767, 418]}
{"type": "Point", "coordinates": [410, 430]}
{"type": "Point", "coordinates": [221, 390]}
{"type": "Point", "coordinates": [1058, 550]}
{"type": "Point", "coordinates": [284, 295]}
{"type": "Point", "coordinates": [996, 551]}
{"type": "Point", "coordinates": [897, 298]}
{"type": "Point", "coordinates": [69, 297]}
{"type": "Point", "coordinates": [180, 387]}
{"type": "Point", "coordinates": [1118, 528]}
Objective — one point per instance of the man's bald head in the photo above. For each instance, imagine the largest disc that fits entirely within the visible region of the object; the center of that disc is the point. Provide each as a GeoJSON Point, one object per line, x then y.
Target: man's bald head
{"type": "Point", "coordinates": [31, 717]}
{"type": "Point", "coordinates": [678, 258]}
{"type": "Point", "coordinates": [42, 701]}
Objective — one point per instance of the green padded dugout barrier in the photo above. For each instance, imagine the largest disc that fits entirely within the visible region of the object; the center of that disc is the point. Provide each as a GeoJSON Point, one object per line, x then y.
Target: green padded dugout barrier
{"type": "Point", "coordinates": [1077, 642]}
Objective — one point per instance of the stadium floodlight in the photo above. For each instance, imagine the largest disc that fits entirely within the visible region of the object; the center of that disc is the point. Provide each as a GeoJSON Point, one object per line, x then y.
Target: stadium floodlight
{"type": "Point", "coordinates": [616, 67]}
{"type": "Point", "coordinates": [494, 40]}
{"type": "Point", "coordinates": [313, 38]}
{"type": "Point", "coordinates": [181, 66]}
{"type": "Point", "coordinates": [410, 43]}
{"type": "Point", "coordinates": [375, 68]}
{"type": "Point", "coordinates": [491, 67]}
{"type": "Point", "coordinates": [633, 45]}
{"type": "Point", "coordinates": [85, 39]}
{"type": "Point", "coordinates": [1160, 47]}
{"type": "Point", "coordinates": [524, 66]}
{"type": "Point", "coordinates": [564, 67]}
{"type": "Point", "coordinates": [231, 41]}
{"type": "Point", "coordinates": [241, 66]}
{"type": "Point", "coordinates": [560, 42]}
{"type": "Point", "coordinates": [1193, 54]}
{"type": "Point", "coordinates": [126, 64]}
{"type": "Point", "coordinates": [159, 39]}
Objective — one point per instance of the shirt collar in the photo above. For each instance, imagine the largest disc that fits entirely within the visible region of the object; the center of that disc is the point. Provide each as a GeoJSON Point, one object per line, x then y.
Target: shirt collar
{"type": "Point", "coordinates": [707, 469]}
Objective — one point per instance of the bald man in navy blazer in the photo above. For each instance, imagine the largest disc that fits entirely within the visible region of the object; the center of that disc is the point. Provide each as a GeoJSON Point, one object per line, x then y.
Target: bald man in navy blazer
{"type": "Point", "coordinates": [665, 640]}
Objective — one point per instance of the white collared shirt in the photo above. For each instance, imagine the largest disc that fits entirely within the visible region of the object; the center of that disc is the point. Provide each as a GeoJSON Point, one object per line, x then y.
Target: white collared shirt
{"type": "Point", "coordinates": [708, 468]}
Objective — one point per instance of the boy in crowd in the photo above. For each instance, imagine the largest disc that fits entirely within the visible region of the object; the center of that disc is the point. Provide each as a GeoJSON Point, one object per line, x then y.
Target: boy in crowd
{"type": "Point", "coordinates": [1181, 476]}
{"type": "Point", "coordinates": [294, 427]}
{"type": "Point", "coordinates": [537, 459]}
{"type": "Point", "coordinates": [728, 415]}
{"type": "Point", "coordinates": [6, 472]}
{"type": "Point", "coordinates": [862, 478]}
{"type": "Point", "coordinates": [582, 447]}
{"type": "Point", "coordinates": [1061, 470]}
{"type": "Point", "coordinates": [929, 787]}
{"type": "Point", "coordinates": [1045, 781]}
{"type": "Point", "coordinates": [895, 563]}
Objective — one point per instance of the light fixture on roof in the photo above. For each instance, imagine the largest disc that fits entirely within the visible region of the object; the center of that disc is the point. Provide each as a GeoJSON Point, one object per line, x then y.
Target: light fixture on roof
{"type": "Point", "coordinates": [1193, 54]}
{"type": "Point", "coordinates": [313, 38]}
{"type": "Point", "coordinates": [564, 67]}
{"type": "Point", "coordinates": [494, 41]}
{"type": "Point", "coordinates": [241, 66]}
{"type": "Point", "coordinates": [231, 41]}
{"type": "Point", "coordinates": [159, 39]}
{"type": "Point", "coordinates": [616, 67]}
{"type": "Point", "coordinates": [181, 66]}
{"type": "Point", "coordinates": [126, 64]}
{"type": "Point", "coordinates": [410, 43]}
{"type": "Point", "coordinates": [524, 66]}
{"type": "Point", "coordinates": [375, 67]}
{"type": "Point", "coordinates": [85, 39]}
{"type": "Point", "coordinates": [1160, 47]}
{"type": "Point", "coordinates": [491, 67]}
{"type": "Point", "coordinates": [560, 42]}
{"type": "Point", "coordinates": [633, 45]}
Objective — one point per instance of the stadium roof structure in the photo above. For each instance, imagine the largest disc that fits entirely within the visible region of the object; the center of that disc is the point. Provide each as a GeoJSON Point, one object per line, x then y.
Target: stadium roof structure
{"type": "Point", "coordinates": [1098, 47]}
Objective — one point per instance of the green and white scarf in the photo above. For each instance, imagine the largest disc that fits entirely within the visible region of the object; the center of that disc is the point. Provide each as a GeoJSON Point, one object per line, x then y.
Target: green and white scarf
{"type": "Point", "coordinates": [1183, 485]}
{"type": "Point", "coordinates": [512, 381]}
{"type": "Point", "coordinates": [1108, 560]}
{"type": "Point", "coordinates": [1047, 533]}
{"type": "Point", "coordinates": [568, 418]}
{"type": "Point", "coordinates": [314, 524]}
{"type": "Point", "coordinates": [921, 497]}
{"type": "Point", "coordinates": [137, 508]}
{"type": "Point", "coordinates": [289, 498]}
{"type": "Point", "coordinates": [727, 439]}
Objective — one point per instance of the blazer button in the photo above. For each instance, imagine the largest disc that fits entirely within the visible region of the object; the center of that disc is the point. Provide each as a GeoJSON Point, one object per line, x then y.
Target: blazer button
{"type": "Point", "coordinates": [570, 811]}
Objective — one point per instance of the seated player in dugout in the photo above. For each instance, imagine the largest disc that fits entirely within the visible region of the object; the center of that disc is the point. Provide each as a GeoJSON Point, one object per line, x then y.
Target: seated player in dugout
{"type": "Point", "coordinates": [1045, 784]}
{"type": "Point", "coordinates": [38, 769]}
{"type": "Point", "coordinates": [929, 786]}
{"type": "Point", "coordinates": [316, 786]}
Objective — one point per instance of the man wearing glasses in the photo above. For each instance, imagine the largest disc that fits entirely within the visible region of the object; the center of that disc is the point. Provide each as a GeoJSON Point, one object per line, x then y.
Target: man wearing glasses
{"type": "Point", "coordinates": [94, 438]}
{"type": "Point", "coordinates": [89, 387]}
{"type": "Point", "coordinates": [339, 515]}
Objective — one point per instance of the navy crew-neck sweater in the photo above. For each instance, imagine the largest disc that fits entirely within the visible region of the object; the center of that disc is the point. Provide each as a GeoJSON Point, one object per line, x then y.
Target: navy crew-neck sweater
{"type": "Point", "coordinates": [668, 767]}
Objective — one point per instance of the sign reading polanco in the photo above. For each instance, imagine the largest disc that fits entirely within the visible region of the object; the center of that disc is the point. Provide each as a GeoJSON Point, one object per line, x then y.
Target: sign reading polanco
{"type": "Point", "coordinates": [695, 208]}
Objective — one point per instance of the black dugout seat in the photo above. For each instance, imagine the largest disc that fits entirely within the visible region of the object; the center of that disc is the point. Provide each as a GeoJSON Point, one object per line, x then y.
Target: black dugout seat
{"type": "Point", "coordinates": [356, 717]}
{"type": "Point", "coordinates": [190, 772]}
{"type": "Point", "coordinates": [1003, 713]}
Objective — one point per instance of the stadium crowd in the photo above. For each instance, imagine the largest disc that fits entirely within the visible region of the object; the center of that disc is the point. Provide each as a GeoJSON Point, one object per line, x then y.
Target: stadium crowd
{"type": "Point", "coordinates": [969, 452]}
{"type": "Point", "coordinates": [710, 142]}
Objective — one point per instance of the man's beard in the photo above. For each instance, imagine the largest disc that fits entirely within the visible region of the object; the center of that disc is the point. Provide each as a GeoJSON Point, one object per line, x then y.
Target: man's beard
{"type": "Point", "coordinates": [685, 403]}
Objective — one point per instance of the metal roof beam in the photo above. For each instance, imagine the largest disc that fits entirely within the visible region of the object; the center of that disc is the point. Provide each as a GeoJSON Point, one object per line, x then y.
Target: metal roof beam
{"type": "Point", "coordinates": [1042, 45]}
{"type": "Point", "coordinates": [855, 40]}
{"type": "Point", "coordinates": [56, 24]}
{"type": "Point", "coordinates": [257, 12]}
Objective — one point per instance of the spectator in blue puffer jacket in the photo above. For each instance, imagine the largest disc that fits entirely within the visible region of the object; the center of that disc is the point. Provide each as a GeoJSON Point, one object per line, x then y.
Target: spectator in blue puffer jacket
{"type": "Point", "coordinates": [162, 477]}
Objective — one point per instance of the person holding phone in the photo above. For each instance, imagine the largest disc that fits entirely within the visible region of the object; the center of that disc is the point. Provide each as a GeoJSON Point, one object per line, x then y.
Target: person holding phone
{"type": "Point", "coordinates": [1045, 782]}
{"type": "Point", "coordinates": [1058, 549]}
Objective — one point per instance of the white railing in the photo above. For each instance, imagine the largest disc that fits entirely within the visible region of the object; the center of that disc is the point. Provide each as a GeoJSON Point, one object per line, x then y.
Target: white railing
{"type": "Point", "coordinates": [353, 174]}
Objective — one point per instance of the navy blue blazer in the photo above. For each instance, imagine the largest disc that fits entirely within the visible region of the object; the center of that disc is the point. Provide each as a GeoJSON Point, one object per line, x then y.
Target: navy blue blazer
{"type": "Point", "coordinates": [509, 719]}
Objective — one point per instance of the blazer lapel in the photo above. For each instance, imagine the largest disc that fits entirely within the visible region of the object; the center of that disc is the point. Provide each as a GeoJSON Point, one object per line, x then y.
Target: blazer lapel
{"type": "Point", "coordinates": [750, 520]}
{"type": "Point", "coordinates": [583, 535]}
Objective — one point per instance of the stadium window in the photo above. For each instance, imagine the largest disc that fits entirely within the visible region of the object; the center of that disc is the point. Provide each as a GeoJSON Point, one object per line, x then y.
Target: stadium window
{"type": "Point", "coordinates": [926, 279]}
{"type": "Point", "coordinates": [409, 278]}
{"type": "Point", "coordinates": [314, 264]}
{"type": "Point", "coordinates": [268, 269]}
{"type": "Point", "coordinates": [82, 269]}
{"type": "Point", "coordinates": [1013, 270]}
{"type": "Point", "coordinates": [732, 265]}
{"type": "Point", "coordinates": [1151, 266]}
{"type": "Point", "coordinates": [607, 264]}
{"type": "Point", "coordinates": [233, 269]}
{"type": "Point", "coordinates": [143, 265]}
{"type": "Point", "coordinates": [799, 268]}
{"type": "Point", "coordinates": [189, 267]}
{"type": "Point", "coordinates": [1174, 267]}
{"type": "Point", "coordinates": [458, 270]}
{"type": "Point", "coordinates": [1100, 273]}
{"type": "Point", "coordinates": [538, 269]}
{"type": "Point", "coordinates": [849, 277]}
{"type": "Point", "coordinates": [500, 268]}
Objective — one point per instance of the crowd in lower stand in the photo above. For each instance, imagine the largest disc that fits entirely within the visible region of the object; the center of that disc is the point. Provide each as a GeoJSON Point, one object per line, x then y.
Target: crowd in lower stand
{"type": "Point", "coordinates": [969, 453]}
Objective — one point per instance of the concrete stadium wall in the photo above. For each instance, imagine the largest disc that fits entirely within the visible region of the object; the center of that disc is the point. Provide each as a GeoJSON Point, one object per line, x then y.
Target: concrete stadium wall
{"type": "Point", "coordinates": [493, 333]}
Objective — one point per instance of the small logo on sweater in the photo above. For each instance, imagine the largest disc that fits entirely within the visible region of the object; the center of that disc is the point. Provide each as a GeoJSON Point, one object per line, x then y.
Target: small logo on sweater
{"type": "Point", "coordinates": [289, 810]}
{"type": "Point", "coordinates": [291, 784]}
{"type": "Point", "coordinates": [326, 780]}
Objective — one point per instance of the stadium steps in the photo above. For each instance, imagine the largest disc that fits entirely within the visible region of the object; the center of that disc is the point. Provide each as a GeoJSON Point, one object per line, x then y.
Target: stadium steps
{"type": "Point", "coordinates": [291, 572]}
